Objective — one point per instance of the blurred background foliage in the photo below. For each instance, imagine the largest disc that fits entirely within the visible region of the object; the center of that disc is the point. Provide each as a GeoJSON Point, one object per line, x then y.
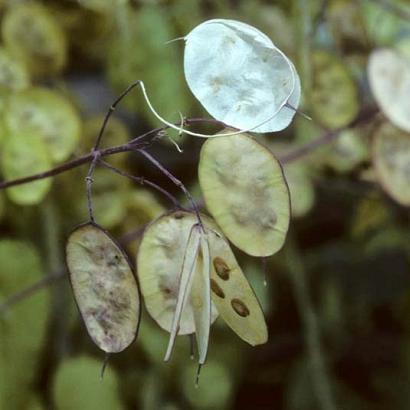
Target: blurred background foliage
{"type": "Point", "coordinates": [346, 263]}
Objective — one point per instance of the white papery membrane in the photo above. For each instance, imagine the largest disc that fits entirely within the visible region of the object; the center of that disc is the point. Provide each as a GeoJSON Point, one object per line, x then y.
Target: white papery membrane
{"type": "Point", "coordinates": [240, 77]}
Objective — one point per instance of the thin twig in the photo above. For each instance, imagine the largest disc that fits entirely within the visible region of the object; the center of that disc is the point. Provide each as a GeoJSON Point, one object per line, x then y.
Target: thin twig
{"type": "Point", "coordinates": [142, 181]}
{"type": "Point", "coordinates": [363, 118]}
{"type": "Point", "coordinates": [174, 180]}
{"type": "Point", "coordinates": [75, 163]}
{"type": "Point", "coordinates": [89, 185]}
{"type": "Point", "coordinates": [95, 151]}
{"type": "Point", "coordinates": [110, 112]}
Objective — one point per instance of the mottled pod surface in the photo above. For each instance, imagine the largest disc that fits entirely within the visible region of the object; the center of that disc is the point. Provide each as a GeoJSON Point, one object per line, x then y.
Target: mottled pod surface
{"type": "Point", "coordinates": [245, 191]}
{"type": "Point", "coordinates": [104, 287]}
{"type": "Point", "coordinates": [233, 295]}
{"type": "Point", "coordinates": [159, 262]}
{"type": "Point", "coordinates": [391, 159]}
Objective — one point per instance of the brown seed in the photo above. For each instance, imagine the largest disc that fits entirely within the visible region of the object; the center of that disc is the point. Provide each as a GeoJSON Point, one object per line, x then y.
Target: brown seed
{"type": "Point", "coordinates": [217, 289]}
{"type": "Point", "coordinates": [239, 307]}
{"type": "Point", "coordinates": [221, 268]}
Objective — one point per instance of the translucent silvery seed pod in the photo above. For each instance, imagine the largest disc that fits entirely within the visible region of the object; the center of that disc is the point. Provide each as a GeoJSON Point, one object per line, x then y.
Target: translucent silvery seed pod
{"type": "Point", "coordinates": [240, 77]}
{"type": "Point", "coordinates": [389, 77]}
{"type": "Point", "coordinates": [391, 160]}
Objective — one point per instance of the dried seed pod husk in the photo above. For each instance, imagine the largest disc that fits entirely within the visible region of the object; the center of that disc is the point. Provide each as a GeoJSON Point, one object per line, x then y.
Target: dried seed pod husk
{"type": "Point", "coordinates": [104, 287]}
{"type": "Point", "coordinates": [298, 176]}
{"type": "Point", "coordinates": [47, 114]}
{"type": "Point", "coordinates": [389, 77]}
{"type": "Point", "coordinates": [159, 262]}
{"type": "Point", "coordinates": [334, 98]}
{"type": "Point", "coordinates": [243, 79]}
{"type": "Point", "coordinates": [24, 155]}
{"type": "Point", "coordinates": [31, 32]}
{"type": "Point", "coordinates": [391, 159]}
{"type": "Point", "coordinates": [232, 294]}
{"type": "Point", "coordinates": [246, 192]}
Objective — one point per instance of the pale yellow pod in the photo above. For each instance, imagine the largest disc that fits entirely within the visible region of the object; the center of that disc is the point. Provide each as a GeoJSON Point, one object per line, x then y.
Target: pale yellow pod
{"type": "Point", "coordinates": [246, 192]}
{"type": "Point", "coordinates": [104, 287]}
{"type": "Point", "coordinates": [232, 294]}
{"type": "Point", "coordinates": [159, 262]}
{"type": "Point", "coordinates": [391, 159]}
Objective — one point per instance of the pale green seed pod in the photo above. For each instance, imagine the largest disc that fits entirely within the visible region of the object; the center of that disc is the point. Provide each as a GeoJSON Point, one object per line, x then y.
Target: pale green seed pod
{"type": "Point", "coordinates": [13, 72]}
{"type": "Point", "coordinates": [104, 287]}
{"type": "Point", "coordinates": [32, 33]}
{"type": "Point", "coordinates": [46, 114]}
{"type": "Point", "coordinates": [159, 261]}
{"type": "Point", "coordinates": [24, 155]}
{"type": "Point", "coordinates": [334, 98]}
{"type": "Point", "coordinates": [160, 258]}
{"type": "Point", "coordinates": [246, 192]}
{"type": "Point", "coordinates": [391, 160]}
{"type": "Point", "coordinates": [76, 385]}
{"type": "Point", "coordinates": [233, 296]}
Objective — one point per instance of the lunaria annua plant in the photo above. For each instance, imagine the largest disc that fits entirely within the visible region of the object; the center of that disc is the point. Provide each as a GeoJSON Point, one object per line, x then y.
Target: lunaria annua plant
{"type": "Point", "coordinates": [186, 268]}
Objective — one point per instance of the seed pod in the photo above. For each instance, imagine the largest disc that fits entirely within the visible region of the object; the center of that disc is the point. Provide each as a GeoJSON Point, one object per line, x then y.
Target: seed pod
{"type": "Point", "coordinates": [391, 159]}
{"type": "Point", "coordinates": [233, 296]}
{"type": "Point", "coordinates": [31, 32]}
{"type": "Point", "coordinates": [13, 72]}
{"type": "Point", "coordinates": [104, 287]}
{"type": "Point", "coordinates": [389, 76]}
{"type": "Point", "coordinates": [159, 262]}
{"type": "Point", "coordinates": [240, 77]}
{"type": "Point", "coordinates": [46, 114]}
{"type": "Point", "coordinates": [334, 98]}
{"type": "Point", "coordinates": [24, 155]}
{"type": "Point", "coordinates": [245, 191]}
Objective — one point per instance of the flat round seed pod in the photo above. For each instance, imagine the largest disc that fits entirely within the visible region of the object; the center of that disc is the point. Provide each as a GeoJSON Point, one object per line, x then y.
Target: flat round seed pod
{"type": "Point", "coordinates": [239, 76]}
{"type": "Point", "coordinates": [348, 151]}
{"type": "Point", "coordinates": [302, 191]}
{"type": "Point", "coordinates": [233, 296]}
{"type": "Point", "coordinates": [391, 159]}
{"type": "Point", "coordinates": [245, 191]}
{"type": "Point", "coordinates": [299, 180]}
{"type": "Point", "coordinates": [104, 287]}
{"type": "Point", "coordinates": [334, 98]}
{"type": "Point", "coordinates": [13, 73]}
{"type": "Point", "coordinates": [159, 261]}
{"type": "Point", "coordinates": [389, 77]}
{"type": "Point", "coordinates": [48, 114]}
{"type": "Point", "coordinates": [22, 156]}
{"type": "Point", "coordinates": [31, 32]}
